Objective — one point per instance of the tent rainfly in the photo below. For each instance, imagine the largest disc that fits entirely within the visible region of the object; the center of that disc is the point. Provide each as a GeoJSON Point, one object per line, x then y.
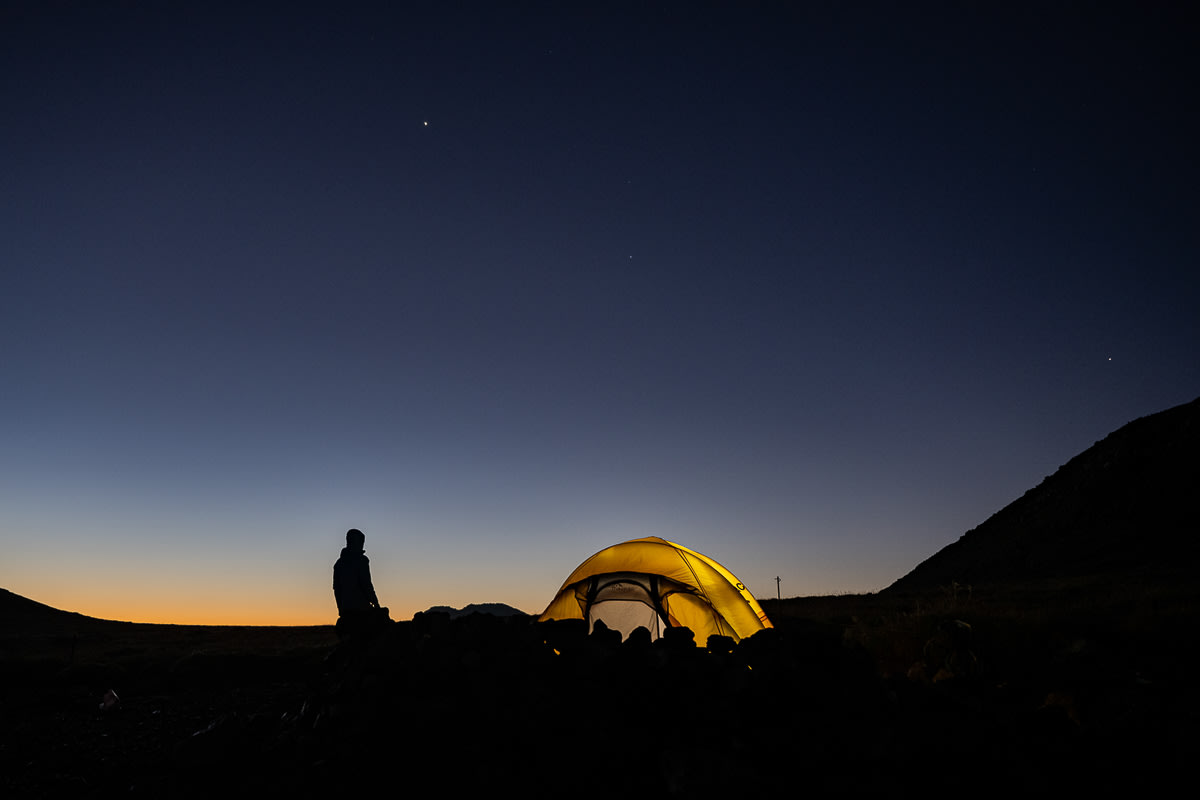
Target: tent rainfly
{"type": "Point", "coordinates": [651, 583]}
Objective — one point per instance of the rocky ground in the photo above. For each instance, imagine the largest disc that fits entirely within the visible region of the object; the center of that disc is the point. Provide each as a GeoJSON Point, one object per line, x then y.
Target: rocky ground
{"type": "Point", "coordinates": [481, 702]}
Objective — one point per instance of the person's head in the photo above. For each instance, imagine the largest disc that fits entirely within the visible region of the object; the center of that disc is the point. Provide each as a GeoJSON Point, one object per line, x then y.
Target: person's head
{"type": "Point", "coordinates": [355, 539]}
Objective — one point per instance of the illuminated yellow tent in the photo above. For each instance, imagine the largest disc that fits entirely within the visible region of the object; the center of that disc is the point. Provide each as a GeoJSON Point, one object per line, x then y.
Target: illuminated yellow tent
{"type": "Point", "coordinates": [652, 582]}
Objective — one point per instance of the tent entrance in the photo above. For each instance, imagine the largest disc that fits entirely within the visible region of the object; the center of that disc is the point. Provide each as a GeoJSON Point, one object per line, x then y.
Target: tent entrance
{"type": "Point", "coordinates": [625, 601]}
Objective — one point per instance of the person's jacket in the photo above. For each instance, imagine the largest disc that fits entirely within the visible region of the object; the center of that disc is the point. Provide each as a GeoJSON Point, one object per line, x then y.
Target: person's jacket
{"type": "Point", "coordinates": [352, 588]}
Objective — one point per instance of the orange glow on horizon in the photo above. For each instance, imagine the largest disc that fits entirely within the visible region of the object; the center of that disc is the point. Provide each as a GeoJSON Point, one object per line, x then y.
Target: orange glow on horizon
{"type": "Point", "coordinates": [134, 610]}
{"type": "Point", "coordinates": [159, 614]}
{"type": "Point", "coordinates": [219, 614]}
{"type": "Point", "coordinates": [201, 617]}
{"type": "Point", "coordinates": [147, 593]}
{"type": "Point", "coordinates": [183, 610]}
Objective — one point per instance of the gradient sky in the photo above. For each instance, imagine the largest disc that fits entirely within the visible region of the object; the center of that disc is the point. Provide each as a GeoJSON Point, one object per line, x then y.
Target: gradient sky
{"type": "Point", "coordinates": [812, 288]}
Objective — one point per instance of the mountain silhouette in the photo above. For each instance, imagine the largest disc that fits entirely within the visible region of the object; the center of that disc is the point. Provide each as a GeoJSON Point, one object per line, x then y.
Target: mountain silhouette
{"type": "Point", "coordinates": [495, 609]}
{"type": "Point", "coordinates": [1124, 507]}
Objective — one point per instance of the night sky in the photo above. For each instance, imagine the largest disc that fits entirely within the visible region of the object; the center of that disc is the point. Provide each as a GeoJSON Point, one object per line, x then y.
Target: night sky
{"type": "Point", "coordinates": [811, 288]}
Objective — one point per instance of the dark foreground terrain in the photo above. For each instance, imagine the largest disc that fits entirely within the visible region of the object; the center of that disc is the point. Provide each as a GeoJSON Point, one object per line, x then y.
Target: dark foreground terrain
{"type": "Point", "coordinates": [1062, 688]}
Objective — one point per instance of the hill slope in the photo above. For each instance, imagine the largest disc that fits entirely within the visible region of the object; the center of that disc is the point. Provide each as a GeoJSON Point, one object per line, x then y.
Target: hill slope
{"type": "Point", "coordinates": [20, 614]}
{"type": "Point", "coordinates": [1124, 506]}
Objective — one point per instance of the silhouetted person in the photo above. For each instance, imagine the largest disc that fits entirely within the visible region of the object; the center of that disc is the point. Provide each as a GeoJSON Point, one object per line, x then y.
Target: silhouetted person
{"type": "Point", "coordinates": [358, 606]}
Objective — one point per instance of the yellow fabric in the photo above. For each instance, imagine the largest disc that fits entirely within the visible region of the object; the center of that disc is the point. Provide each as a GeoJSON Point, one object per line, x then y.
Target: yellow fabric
{"type": "Point", "coordinates": [722, 605]}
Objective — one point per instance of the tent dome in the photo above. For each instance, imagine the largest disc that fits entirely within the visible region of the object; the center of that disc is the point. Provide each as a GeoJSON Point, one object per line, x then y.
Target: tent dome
{"type": "Point", "coordinates": [653, 583]}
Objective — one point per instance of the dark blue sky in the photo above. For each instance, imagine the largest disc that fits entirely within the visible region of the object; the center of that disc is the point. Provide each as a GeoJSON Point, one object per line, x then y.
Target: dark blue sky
{"type": "Point", "coordinates": [810, 288]}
